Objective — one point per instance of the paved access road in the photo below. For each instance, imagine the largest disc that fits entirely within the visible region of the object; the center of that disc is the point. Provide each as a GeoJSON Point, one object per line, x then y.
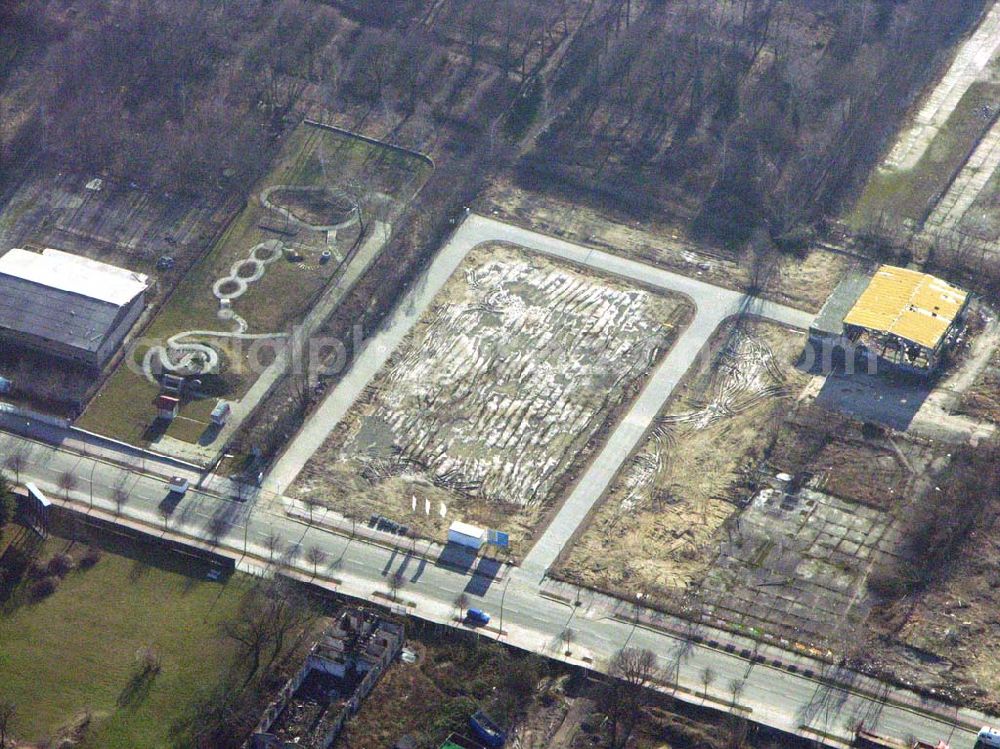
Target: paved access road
{"type": "Point", "coordinates": [262, 533]}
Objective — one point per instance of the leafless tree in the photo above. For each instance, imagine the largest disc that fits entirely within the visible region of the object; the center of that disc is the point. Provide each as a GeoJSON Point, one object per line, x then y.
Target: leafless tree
{"type": "Point", "coordinates": [315, 556]}
{"type": "Point", "coordinates": [311, 504]}
{"type": "Point", "coordinates": [7, 712]}
{"type": "Point", "coordinates": [632, 670]}
{"type": "Point", "coordinates": [16, 462]}
{"type": "Point", "coordinates": [120, 497]}
{"type": "Point", "coordinates": [736, 687]}
{"type": "Point", "coordinates": [707, 677]}
{"type": "Point", "coordinates": [272, 613]}
{"type": "Point", "coordinates": [461, 603]}
{"type": "Point", "coordinates": [396, 581]}
{"type": "Point", "coordinates": [272, 542]}
{"type": "Point", "coordinates": [67, 482]}
{"type": "Point", "coordinates": [164, 512]}
{"type": "Point", "coordinates": [566, 638]}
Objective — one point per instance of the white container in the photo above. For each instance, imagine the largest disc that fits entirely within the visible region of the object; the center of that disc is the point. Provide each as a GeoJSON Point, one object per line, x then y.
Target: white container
{"type": "Point", "coordinates": [464, 534]}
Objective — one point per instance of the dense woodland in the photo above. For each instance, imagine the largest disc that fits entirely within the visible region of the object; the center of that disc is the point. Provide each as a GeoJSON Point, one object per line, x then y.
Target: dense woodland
{"type": "Point", "coordinates": [722, 114]}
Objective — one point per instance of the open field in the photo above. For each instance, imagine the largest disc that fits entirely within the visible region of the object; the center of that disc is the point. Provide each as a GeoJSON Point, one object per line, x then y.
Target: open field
{"type": "Point", "coordinates": [496, 398]}
{"type": "Point", "coordinates": [657, 530]}
{"type": "Point", "coordinates": [909, 195]}
{"type": "Point", "coordinates": [78, 649]}
{"type": "Point", "coordinates": [268, 264]}
{"type": "Point", "coordinates": [801, 282]}
{"type": "Point", "coordinates": [982, 399]}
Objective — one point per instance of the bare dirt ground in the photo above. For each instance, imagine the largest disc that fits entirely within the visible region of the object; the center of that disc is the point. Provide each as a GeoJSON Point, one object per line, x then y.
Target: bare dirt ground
{"type": "Point", "coordinates": [496, 398]}
{"type": "Point", "coordinates": [950, 635]}
{"type": "Point", "coordinates": [982, 398]}
{"type": "Point", "coordinates": [802, 283]}
{"type": "Point", "coordinates": [657, 530]}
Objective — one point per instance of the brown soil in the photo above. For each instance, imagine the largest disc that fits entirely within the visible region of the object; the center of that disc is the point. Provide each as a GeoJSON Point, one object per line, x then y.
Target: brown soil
{"type": "Point", "coordinates": [655, 531]}
{"type": "Point", "coordinates": [802, 283]}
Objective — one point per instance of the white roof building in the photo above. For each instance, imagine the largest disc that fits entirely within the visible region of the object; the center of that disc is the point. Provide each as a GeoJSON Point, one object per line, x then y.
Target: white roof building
{"type": "Point", "coordinates": [67, 305]}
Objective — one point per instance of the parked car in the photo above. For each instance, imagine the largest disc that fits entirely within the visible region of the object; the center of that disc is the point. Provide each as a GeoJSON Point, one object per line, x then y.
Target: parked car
{"type": "Point", "coordinates": [477, 617]}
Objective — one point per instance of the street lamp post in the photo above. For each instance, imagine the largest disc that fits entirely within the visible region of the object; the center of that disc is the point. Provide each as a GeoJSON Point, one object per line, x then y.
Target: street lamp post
{"type": "Point", "coordinates": [503, 596]}
{"type": "Point", "coordinates": [92, 469]}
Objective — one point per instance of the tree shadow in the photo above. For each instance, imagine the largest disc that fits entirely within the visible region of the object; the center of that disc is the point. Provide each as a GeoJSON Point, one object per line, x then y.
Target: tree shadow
{"type": "Point", "coordinates": [137, 689]}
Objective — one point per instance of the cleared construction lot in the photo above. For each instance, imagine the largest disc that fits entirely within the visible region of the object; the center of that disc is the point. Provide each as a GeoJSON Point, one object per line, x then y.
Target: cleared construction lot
{"type": "Point", "coordinates": [497, 396]}
{"type": "Point", "coordinates": [656, 530]}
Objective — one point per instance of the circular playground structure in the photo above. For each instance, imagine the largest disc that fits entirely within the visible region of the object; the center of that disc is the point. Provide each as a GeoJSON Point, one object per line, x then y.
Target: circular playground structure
{"type": "Point", "coordinates": [187, 354]}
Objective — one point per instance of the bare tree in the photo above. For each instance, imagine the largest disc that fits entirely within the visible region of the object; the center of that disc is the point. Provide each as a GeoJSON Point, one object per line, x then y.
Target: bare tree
{"type": "Point", "coordinates": [311, 504]}
{"type": "Point", "coordinates": [632, 671]}
{"type": "Point", "coordinates": [272, 542]}
{"type": "Point", "coordinates": [736, 687]}
{"type": "Point", "coordinates": [396, 581]}
{"type": "Point", "coordinates": [164, 512]}
{"type": "Point", "coordinates": [461, 603]}
{"type": "Point", "coordinates": [271, 614]}
{"type": "Point", "coordinates": [707, 677]}
{"type": "Point", "coordinates": [315, 556]}
{"type": "Point", "coordinates": [7, 712]}
{"type": "Point", "coordinates": [16, 462]}
{"type": "Point", "coordinates": [120, 497]}
{"type": "Point", "coordinates": [67, 482]}
{"type": "Point", "coordinates": [566, 637]}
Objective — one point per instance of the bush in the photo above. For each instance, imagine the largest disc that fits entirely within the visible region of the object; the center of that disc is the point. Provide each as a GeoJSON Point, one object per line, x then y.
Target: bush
{"type": "Point", "coordinates": [8, 503]}
{"type": "Point", "coordinates": [59, 565]}
{"type": "Point", "coordinates": [796, 241]}
{"type": "Point", "coordinates": [90, 557]}
{"type": "Point", "coordinates": [44, 587]}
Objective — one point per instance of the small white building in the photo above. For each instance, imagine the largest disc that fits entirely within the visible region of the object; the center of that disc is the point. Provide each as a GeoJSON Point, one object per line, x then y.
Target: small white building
{"type": "Point", "coordinates": [66, 305]}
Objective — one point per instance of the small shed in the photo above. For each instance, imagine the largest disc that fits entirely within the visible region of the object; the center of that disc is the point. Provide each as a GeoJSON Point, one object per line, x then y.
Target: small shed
{"type": "Point", "coordinates": [167, 406]}
{"type": "Point", "coordinates": [468, 535]}
{"type": "Point", "coordinates": [221, 412]}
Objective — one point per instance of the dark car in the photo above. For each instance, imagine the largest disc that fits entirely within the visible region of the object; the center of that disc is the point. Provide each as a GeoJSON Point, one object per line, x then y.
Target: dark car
{"type": "Point", "coordinates": [477, 617]}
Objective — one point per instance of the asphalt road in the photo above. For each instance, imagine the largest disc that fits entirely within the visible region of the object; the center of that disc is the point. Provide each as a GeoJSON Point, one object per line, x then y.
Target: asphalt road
{"type": "Point", "coordinates": [530, 620]}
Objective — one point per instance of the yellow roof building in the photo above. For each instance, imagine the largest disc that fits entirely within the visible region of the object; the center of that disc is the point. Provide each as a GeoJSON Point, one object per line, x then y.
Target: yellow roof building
{"type": "Point", "coordinates": [914, 306]}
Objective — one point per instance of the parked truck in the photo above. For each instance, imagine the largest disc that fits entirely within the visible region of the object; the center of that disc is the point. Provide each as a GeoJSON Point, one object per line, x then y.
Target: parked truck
{"type": "Point", "coordinates": [467, 535]}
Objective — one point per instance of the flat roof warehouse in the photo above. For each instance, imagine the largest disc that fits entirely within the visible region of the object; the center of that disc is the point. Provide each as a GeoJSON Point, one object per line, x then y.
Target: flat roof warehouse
{"type": "Point", "coordinates": [68, 305]}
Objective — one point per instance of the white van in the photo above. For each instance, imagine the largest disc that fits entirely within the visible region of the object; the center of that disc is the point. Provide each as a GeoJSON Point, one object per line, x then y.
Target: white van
{"type": "Point", "coordinates": [989, 737]}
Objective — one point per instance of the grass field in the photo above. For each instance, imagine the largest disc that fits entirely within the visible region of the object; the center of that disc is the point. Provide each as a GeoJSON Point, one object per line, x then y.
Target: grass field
{"type": "Point", "coordinates": [381, 180]}
{"type": "Point", "coordinates": [76, 650]}
{"type": "Point", "coordinates": [908, 195]}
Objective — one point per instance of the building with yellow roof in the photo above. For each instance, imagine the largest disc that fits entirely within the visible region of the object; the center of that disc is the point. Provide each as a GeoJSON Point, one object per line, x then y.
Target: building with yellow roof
{"type": "Point", "coordinates": [902, 316]}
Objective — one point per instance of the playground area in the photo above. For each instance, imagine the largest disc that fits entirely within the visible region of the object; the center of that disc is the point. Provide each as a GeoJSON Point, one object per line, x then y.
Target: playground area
{"type": "Point", "coordinates": [231, 315]}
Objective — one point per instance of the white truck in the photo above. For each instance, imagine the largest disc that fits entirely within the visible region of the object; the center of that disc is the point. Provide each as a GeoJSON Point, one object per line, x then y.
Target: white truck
{"type": "Point", "coordinates": [467, 535]}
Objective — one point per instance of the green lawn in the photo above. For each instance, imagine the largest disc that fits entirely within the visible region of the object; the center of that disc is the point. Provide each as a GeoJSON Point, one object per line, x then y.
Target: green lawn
{"type": "Point", "coordinates": [311, 156]}
{"type": "Point", "coordinates": [909, 194]}
{"type": "Point", "coordinates": [77, 649]}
